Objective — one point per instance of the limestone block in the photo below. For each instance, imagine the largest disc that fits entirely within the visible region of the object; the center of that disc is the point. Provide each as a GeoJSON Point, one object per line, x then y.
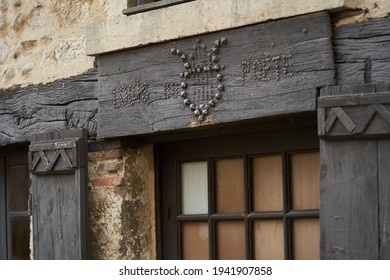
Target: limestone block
{"type": "Point", "coordinates": [27, 68]}
{"type": "Point", "coordinates": [18, 22]}
{"type": "Point", "coordinates": [16, 3]}
{"type": "Point", "coordinates": [3, 22]}
{"type": "Point", "coordinates": [4, 51]}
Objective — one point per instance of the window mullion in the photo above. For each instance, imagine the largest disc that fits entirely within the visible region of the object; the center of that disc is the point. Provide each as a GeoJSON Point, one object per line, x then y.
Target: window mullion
{"type": "Point", "coordinates": [248, 208]}
{"type": "Point", "coordinates": [211, 204]}
{"type": "Point", "coordinates": [286, 205]}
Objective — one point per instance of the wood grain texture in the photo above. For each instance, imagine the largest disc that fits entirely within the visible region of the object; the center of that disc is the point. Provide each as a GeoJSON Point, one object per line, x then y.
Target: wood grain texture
{"type": "Point", "coordinates": [384, 197]}
{"type": "Point", "coordinates": [362, 52]}
{"type": "Point", "coordinates": [60, 203]}
{"type": "Point", "coordinates": [267, 70]}
{"type": "Point", "coordinates": [349, 200]}
{"type": "Point", "coordinates": [65, 104]}
{"type": "Point", "coordinates": [354, 111]}
{"type": "Point", "coordinates": [3, 211]}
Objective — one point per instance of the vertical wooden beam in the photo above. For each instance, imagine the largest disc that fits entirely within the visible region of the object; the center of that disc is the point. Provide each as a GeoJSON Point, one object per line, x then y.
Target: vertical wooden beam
{"type": "Point", "coordinates": [384, 197]}
{"type": "Point", "coordinates": [3, 219]}
{"type": "Point", "coordinates": [349, 199]}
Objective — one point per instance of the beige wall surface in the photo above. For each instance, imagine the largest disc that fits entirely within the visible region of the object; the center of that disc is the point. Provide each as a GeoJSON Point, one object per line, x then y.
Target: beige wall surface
{"type": "Point", "coordinates": [42, 41]}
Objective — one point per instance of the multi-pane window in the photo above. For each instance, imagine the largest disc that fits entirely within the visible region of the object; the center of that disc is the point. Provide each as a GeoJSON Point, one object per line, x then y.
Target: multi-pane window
{"type": "Point", "coordinates": [246, 206]}
{"type": "Point", "coordinates": [272, 204]}
{"type": "Point", "coordinates": [137, 6]}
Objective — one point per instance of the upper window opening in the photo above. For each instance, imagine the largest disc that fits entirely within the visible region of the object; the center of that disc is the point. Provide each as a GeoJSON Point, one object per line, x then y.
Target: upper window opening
{"type": "Point", "coordinates": [138, 6]}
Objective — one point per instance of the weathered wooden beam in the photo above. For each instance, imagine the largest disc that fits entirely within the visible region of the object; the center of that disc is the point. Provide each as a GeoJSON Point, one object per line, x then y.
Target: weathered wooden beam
{"type": "Point", "coordinates": [362, 52]}
{"type": "Point", "coordinates": [264, 70]}
{"type": "Point", "coordinates": [65, 104]}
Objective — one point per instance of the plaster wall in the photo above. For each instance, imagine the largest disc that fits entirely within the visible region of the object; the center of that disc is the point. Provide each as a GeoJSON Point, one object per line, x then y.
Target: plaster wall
{"type": "Point", "coordinates": [120, 32]}
{"type": "Point", "coordinates": [42, 41]}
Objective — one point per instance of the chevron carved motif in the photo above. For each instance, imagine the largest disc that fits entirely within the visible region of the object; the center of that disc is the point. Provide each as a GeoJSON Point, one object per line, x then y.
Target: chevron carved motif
{"type": "Point", "coordinates": [352, 124]}
{"type": "Point", "coordinates": [49, 161]}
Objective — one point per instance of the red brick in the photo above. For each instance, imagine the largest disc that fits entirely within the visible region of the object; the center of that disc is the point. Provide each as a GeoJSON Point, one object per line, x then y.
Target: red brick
{"type": "Point", "coordinates": [107, 181]}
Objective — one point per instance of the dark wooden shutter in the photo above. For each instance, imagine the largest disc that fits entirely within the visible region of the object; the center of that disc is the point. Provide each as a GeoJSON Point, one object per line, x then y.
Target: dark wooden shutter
{"type": "Point", "coordinates": [58, 163]}
{"type": "Point", "coordinates": [3, 220]}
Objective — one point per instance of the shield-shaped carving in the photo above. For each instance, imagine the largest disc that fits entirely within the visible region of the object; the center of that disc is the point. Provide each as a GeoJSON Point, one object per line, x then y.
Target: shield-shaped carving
{"type": "Point", "coordinates": [202, 77]}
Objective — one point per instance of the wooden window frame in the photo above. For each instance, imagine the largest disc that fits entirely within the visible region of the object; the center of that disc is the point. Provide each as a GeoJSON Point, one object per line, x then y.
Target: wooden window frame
{"type": "Point", "coordinates": [7, 215]}
{"type": "Point", "coordinates": [141, 7]}
{"type": "Point", "coordinates": [211, 218]}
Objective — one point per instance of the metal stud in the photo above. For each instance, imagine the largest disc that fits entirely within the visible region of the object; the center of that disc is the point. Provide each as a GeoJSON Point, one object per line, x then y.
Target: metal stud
{"type": "Point", "coordinates": [218, 95]}
{"type": "Point", "coordinates": [214, 58]}
{"type": "Point", "coordinates": [212, 103]}
{"type": "Point", "coordinates": [197, 112]}
{"type": "Point", "coordinates": [187, 65]}
{"type": "Point", "coordinates": [219, 77]}
{"type": "Point", "coordinates": [192, 107]}
{"type": "Point", "coordinates": [214, 50]}
{"type": "Point", "coordinates": [183, 57]}
{"type": "Point", "coordinates": [187, 102]}
{"type": "Point", "coordinates": [217, 42]}
{"type": "Point", "coordinates": [223, 41]}
{"type": "Point", "coordinates": [181, 74]}
{"type": "Point", "coordinates": [221, 87]}
{"type": "Point", "coordinates": [187, 75]}
{"type": "Point", "coordinates": [183, 84]}
{"type": "Point", "coordinates": [200, 118]}
{"type": "Point", "coordinates": [216, 67]}
{"type": "Point", "coordinates": [183, 94]}
{"type": "Point", "coordinates": [179, 52]}
{"type": "Point", "coordinates": [205, 112]}
{"type": "Point", "coordinates": [173, 51]}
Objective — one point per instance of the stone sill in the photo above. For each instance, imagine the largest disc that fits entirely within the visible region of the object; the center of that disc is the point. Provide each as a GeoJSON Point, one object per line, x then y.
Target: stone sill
{"type": "Point", "coordinates": [195, 18]}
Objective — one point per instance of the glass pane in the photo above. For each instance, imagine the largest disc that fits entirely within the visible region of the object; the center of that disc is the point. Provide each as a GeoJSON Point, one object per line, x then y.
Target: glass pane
{"type": "Point", "coordinates": [229, 185]}
{"type": "Point", "coordinates": [267, 183]}
{"type": "Point", "coordinates": [194, 188]}
{"type": "Point", "coordinates": [306, 239]}
{"type": "Point", "coordinates": [195, 241]}
{"type": "Point", "coordinates": [268, 240]}
{"type": "Point", "coordinates": [18, 187]}
{"type": "Point", "coordinates": [20, 232]}
{"type": "Point", "coordinates": [305, 179]}
{"type": "Point", "coordinates": [230, 240]}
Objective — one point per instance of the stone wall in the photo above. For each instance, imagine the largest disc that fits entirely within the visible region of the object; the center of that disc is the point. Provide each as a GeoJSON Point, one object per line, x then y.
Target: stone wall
{"type": "Point", "coordinates": [122, 207]}
{"type": "Point", "coordinates": [204, 16]}
{"type": "Point", "coordinates": [42, 41]}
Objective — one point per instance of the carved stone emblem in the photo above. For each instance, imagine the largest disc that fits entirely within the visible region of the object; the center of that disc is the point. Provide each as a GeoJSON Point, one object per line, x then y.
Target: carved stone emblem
{"type": "Point", "coordinates": [202, 77]}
